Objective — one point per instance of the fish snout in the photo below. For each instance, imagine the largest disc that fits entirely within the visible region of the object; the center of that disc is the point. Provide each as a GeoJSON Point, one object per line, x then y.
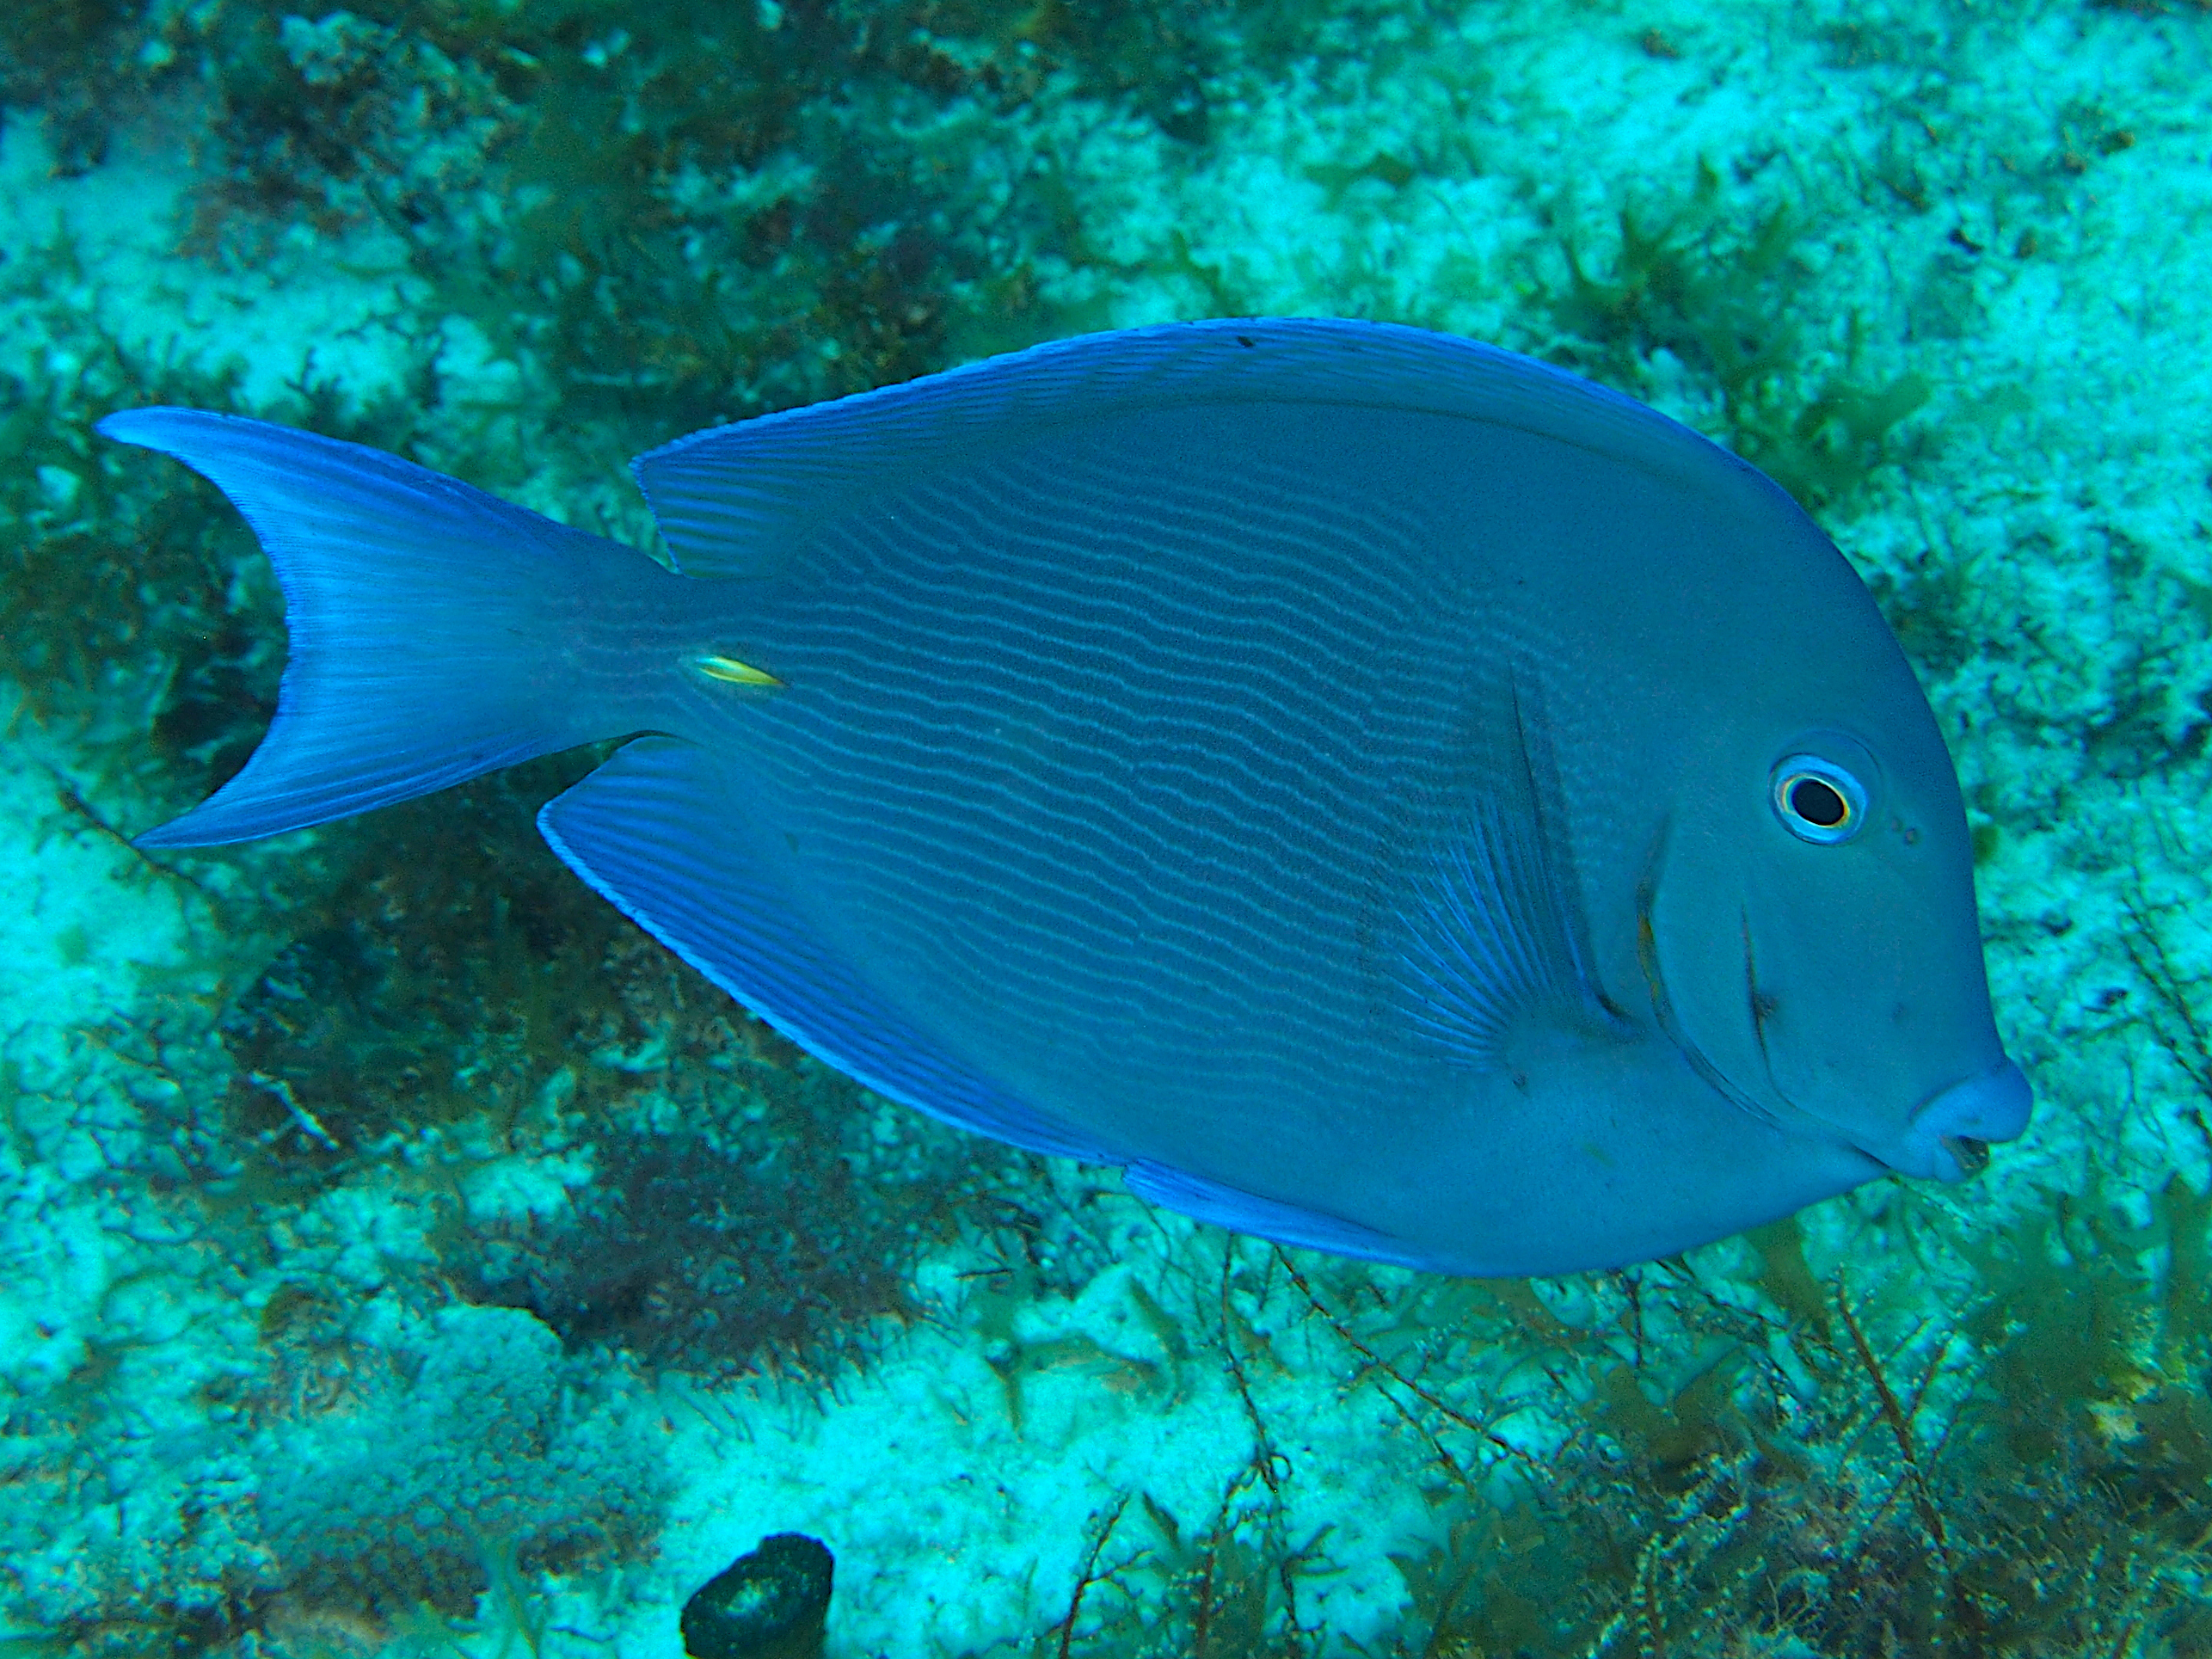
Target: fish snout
{"type": "Point", "coordinates": [1948, 1139]}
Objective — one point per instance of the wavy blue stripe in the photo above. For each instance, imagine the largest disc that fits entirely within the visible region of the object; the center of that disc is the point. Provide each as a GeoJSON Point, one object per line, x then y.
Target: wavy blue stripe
{"type": "Point", "coordinates": [1206, 781]}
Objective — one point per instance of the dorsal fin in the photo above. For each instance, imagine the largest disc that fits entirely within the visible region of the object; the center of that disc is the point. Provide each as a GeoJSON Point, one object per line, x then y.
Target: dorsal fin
{"type": "Point", "coordinates": [730, 498]}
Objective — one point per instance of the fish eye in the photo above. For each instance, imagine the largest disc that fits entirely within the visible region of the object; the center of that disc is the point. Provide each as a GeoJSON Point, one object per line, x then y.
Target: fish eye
{"type": "Point", "coordinates": [1818, 801]}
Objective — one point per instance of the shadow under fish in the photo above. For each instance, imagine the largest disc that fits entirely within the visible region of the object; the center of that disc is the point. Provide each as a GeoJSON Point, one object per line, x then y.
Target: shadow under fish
{"type": "Point", "coordinates": [1387, 793]}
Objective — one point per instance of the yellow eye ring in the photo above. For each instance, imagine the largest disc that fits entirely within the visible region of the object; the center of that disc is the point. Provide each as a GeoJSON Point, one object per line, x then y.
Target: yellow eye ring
{"type": "Point", "coordinates": [1818, 801]}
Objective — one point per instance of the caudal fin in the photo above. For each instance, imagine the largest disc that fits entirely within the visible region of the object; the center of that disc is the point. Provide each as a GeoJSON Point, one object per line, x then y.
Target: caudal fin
{"type": "Point", "coordinates": [434, 630]}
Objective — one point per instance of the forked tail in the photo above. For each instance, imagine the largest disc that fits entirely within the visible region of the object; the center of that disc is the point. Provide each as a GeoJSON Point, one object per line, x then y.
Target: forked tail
{"type": "Point", "coordinates": [436, 632]}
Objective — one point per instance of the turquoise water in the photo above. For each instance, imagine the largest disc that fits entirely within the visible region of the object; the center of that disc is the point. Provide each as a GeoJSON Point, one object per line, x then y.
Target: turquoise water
{"type": "Point", "coordinates": [402, 1254]}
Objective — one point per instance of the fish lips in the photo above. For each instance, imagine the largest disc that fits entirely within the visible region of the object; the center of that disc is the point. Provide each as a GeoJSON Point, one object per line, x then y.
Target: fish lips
{"type": "Point", "coordinates": [1948, 1139]}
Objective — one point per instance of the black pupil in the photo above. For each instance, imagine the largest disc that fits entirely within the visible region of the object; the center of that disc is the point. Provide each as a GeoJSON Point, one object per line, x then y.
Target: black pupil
{"type": "Point", "coordinates": [1817, 802]}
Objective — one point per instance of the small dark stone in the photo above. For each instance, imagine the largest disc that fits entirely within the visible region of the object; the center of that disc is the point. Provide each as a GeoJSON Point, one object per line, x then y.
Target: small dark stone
{"type": "Point", "coordinates": [772, 1604]}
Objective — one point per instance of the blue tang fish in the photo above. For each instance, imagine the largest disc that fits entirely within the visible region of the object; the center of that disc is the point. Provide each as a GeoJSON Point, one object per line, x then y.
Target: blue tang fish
{"type": "Point", "coordinates": [1385, 794]}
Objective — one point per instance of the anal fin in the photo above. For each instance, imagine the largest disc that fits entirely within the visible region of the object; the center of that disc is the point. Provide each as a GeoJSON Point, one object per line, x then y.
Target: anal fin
{"type": "Point", "coordinates": [663, 831]}
{"type": "Point", "coordinates": [1270, 1219]}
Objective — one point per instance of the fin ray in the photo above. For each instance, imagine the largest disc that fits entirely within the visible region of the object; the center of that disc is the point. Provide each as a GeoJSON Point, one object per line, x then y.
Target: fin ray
{"type": "Point", "coordinates": [1494, 933]}
{"type": "Point", "coordinates": [663, 831]}
{"type": "Point", "coordinates": [425, 619]}
{"type": "Point", "coordinates": [1278, 1223]}
{"type": "Point", "coordinates": [731, 498]}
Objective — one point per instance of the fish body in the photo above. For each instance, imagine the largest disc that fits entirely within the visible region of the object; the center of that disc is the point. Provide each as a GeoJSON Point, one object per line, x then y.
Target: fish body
{"type": "Point", "coordinates": [1385, 794]}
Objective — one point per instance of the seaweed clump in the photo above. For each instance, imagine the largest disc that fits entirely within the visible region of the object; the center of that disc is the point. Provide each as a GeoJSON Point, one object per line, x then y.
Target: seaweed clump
{"type": "Point", "coordinates": [459, 999]}
{"type": "Point", "coordinates": [83, 538]}
{"type": "Point", "coordinates": [1715, 290]}
{"type": "Point", "coordinates": [764, 1216]}
{"type": "Point", "coordinates": [75, 59]}
{"type": "Point", "coordinates": [677, 215]}
{"type": "Point", "coordinates": [1654, 1462]}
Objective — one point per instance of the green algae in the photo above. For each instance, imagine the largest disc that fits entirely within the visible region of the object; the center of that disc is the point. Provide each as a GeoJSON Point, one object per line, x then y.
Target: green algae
{"type": "Point", "coordinates": [1837, 1470]}
{"type": "Point", "coordinates": [1711, 280]}
{"type": "Point", "coordinates": [74, 634]}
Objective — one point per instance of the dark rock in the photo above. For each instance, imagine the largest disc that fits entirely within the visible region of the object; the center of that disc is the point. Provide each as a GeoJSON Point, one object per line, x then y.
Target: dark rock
{"type": "Point", "coordinates": [771, 1604]}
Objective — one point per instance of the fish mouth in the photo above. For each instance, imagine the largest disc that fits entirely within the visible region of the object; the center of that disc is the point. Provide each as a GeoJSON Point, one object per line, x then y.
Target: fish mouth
{"type": "Point", "coordinates": [1948, 1139]}
{"type": "Point", "coordinates": [1972, 1156]}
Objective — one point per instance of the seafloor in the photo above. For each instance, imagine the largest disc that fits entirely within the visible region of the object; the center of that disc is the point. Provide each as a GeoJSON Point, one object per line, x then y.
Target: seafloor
{"type": "Point", "coordinates": [402, 1254]}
